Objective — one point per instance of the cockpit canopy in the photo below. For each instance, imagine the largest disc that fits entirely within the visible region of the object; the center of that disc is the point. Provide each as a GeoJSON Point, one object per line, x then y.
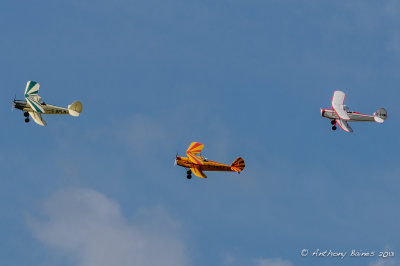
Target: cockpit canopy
{"type": "Point", "coordinates": [204, 158]}
{"type": "Point", "coordinates": [347, 109]}
{"type": "Point", "coordinates": [40, 100]}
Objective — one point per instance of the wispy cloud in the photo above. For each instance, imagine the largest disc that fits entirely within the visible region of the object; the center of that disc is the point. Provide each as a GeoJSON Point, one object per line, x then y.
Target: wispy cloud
{"type": "Point", "coordinates": [233, 260]}
{"type": "Point", "coordinates": [383, 262]}
{"type": "Point", "coordinates": [91, 230]}
{"type": "Point", "coordinates": [388, 261]}
{"type": "Point", "coordinates": [274, 262]}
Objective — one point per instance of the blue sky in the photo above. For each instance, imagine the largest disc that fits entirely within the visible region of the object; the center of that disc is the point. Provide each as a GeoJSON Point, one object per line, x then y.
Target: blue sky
{"type": "Point", "coordinates": [246, 78]}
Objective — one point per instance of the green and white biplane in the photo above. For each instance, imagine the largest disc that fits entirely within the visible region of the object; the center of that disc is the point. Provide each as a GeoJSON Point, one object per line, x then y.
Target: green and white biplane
{"type": "Point", "coordinates": [34, 106]}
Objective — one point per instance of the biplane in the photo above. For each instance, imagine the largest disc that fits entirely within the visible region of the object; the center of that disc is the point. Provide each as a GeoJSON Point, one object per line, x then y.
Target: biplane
{"type": "Point", "coordinates": [196, 163]}
{"type": "Point", "coordinates": [34, 106]}
{"type": "Point", "coordinates": [340, 114]}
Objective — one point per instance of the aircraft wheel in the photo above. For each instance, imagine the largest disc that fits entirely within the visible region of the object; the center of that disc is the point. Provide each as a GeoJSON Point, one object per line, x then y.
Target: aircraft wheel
{"type": "Point", "coordinates": [333, 122]}
{"type": "Point", "coordinates": [334, 128]}
{"type": "Point", "coordinates": [189, 172]}
{"type": "Point", "coordinates": [26, 114]}
{"type": "Point", "coordinates": [189, 176]}
{"type": "Point", "coordinates": [26, 120]}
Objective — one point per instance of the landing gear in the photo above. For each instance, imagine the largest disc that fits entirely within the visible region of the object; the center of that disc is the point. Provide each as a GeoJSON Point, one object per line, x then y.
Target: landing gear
{"type": "Point", "coordinates": [333, 123]}
{"type": "Point", "coordinates": [26, 114]}
{"type": "Point", "coordinates": [189, 174]}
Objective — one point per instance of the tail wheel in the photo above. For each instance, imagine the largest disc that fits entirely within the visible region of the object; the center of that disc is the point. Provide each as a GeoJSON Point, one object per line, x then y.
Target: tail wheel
{"type": "Point", "coordinates": [27, 120]}
{"type": "Point", "coordinates": [189, 176]}
{"type": "Point", "coordinates": [334, 128]}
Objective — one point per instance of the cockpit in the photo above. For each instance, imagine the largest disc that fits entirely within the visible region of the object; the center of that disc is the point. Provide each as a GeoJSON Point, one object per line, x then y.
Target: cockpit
{"type": "Point", "coordinates": [347, 109]}
{"type": "Point", "coordinates": [41, 101]}
{"type": "Point", "coordinates": [203, 158]}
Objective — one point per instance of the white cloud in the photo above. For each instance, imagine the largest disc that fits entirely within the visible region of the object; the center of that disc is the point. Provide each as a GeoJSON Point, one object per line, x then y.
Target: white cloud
{"type": "Point", "coordinates": [90, 229]}
{"type": "Point", "coordinates": [228, 259]}
{"type": "Point", "coordinates": [233, 260]}
{"type": "Point", "coordinates": [384, 262]}
{"type": "Point", "coordinates": [388, 261]}
{"type": "Point", "coordinates": [273, 262]}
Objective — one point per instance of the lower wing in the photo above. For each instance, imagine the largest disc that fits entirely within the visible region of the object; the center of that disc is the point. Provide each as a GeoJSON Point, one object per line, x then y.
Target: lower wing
{"type": "Point", "coordinates": [37, 118]}
{"type": "Point", "coordinates": [198, 173]}
{"type": "Point", "coordinates": [344, 125]}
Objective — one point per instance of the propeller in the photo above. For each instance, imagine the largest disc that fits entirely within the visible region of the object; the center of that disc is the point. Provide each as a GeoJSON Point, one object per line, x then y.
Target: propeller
{"type": "Point", "coordinates": [175, 162]}
{"type": "Point", "coordinates": [13, 104]}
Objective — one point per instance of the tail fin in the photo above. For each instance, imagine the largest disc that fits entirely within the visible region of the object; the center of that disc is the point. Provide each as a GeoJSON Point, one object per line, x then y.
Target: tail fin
{"type": "Point", "coordinates": [238, 165]}
{"type": "Point", "coordinates": [75, 108]}
{"type": "Point", "coordinates": [380, 115]}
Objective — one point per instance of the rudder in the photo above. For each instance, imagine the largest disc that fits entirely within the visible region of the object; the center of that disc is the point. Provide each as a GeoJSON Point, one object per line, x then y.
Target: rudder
{"type": "Point", "coordinates": [75, 108]}
{"type": "Point", "coordinates": [380, 115]}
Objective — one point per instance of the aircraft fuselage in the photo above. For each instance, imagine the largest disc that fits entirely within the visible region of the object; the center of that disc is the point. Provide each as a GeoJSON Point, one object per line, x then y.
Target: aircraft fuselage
{"type": "Point", "coordinates": [48, 108]}
{"type": "Point", "coordinates": [206, 166]}
{"type": "Point", "coordinates": [354, 116]}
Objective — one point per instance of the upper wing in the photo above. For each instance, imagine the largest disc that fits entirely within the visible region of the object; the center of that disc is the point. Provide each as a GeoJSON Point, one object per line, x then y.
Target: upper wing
{"type": "Point", "coordinates": [37, 118]}
{"type": "Point", "coordinates": [32, 88]}
{"type": "Point", "coordinates": [194, 149]}
{"type": "Point", "coordinates": [344, 125]}
{"type": "Point", "coordinates": [198, 173]}
{"type": "Point", "coordinates": [338, 104]}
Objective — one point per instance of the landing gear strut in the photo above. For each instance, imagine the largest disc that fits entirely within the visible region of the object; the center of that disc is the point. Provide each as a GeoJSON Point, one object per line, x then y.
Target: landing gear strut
{"type": "Point", "coordinates": [189, 174]}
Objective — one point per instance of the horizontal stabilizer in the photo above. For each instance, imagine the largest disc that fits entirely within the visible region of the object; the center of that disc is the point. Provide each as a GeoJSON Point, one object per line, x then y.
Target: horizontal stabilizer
{"type": "Point", "coordinates": [338, 105]}
{"type": "Point", "coordinates": [75, 108]}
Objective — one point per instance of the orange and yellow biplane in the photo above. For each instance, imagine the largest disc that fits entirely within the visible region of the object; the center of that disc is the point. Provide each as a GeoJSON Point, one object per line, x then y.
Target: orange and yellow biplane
{"type": "Point", "coordinates": [197, 164]}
